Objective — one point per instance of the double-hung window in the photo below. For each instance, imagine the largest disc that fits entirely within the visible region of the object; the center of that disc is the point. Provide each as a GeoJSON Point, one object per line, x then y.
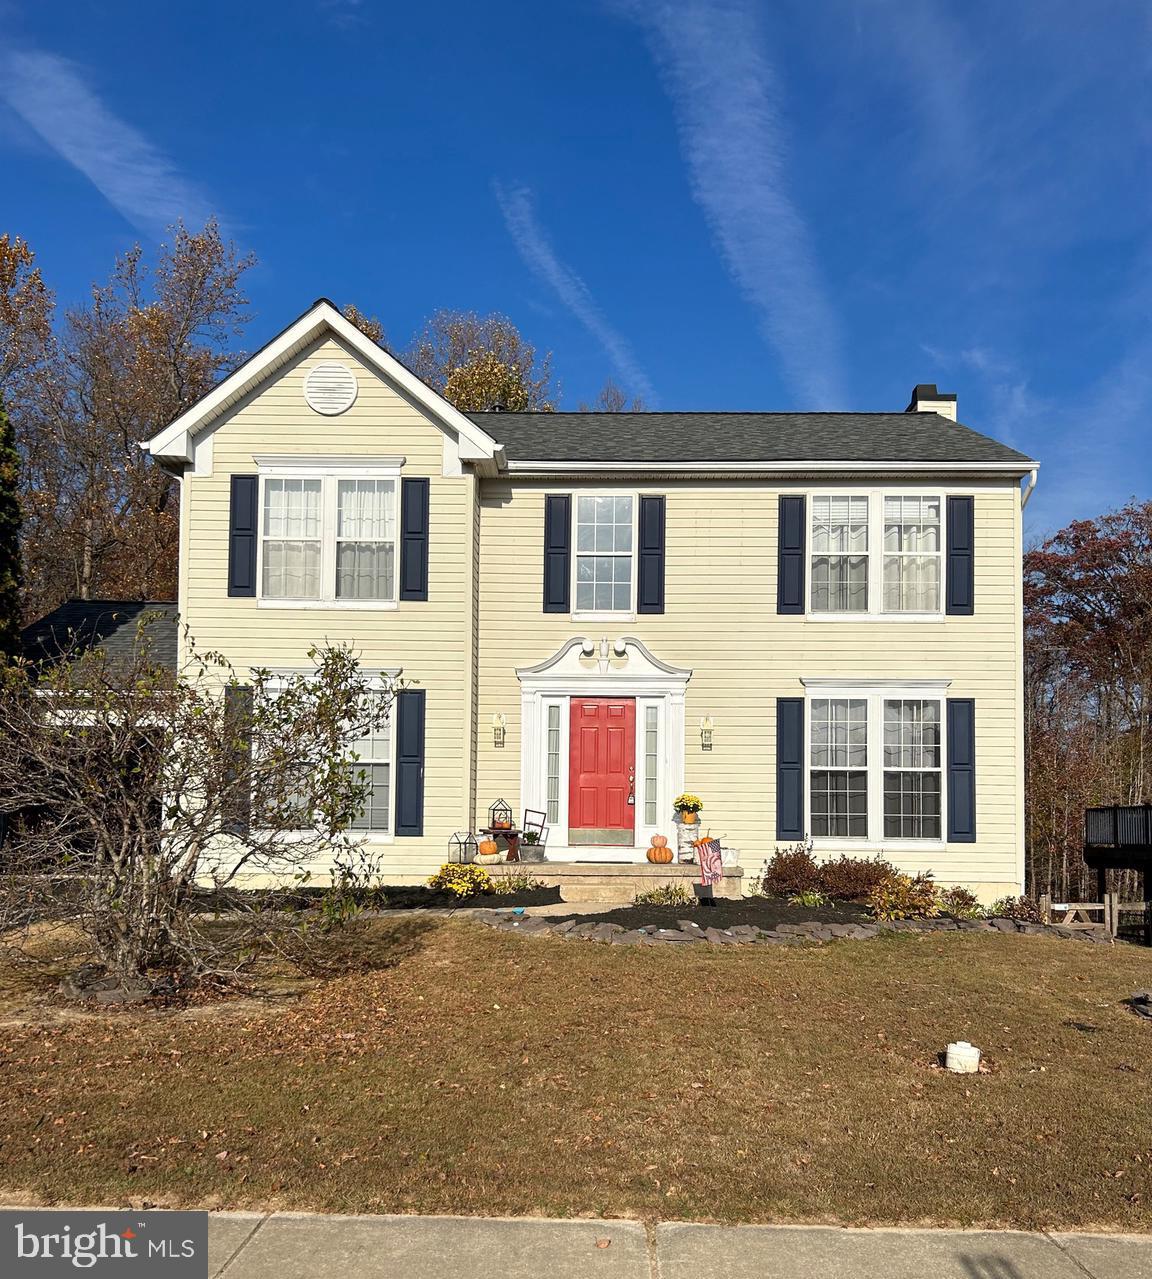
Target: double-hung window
{"type": "Point", "coordinates": [328, 539]}
{"type": "Point", "coordinates": [875, 765]}
{"type": "Point", "coordinates": [373, 754]}
{"type": "Point", "coordinates": [605, 558]}
{"type": "Point", "coordinates": [851, 532]}
{"type": "Point", "coordinates": [912, 769]}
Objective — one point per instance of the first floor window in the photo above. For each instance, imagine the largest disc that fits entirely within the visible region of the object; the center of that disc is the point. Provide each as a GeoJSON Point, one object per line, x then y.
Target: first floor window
{"type": "Point", "coordinates": [839, 771]}
{"type": "Point", "coordinates": [604, 553]}
{"type": "Point", "coordinates": [374, 761]}
{"type": "Point", "coordinates": [875, 767]}
{"type": "Point", "coordinates": [912, 769]}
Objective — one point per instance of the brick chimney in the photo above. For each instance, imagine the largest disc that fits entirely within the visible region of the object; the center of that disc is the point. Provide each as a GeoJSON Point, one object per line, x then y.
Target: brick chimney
{"type": "Point", "coordinates": [927, 399]}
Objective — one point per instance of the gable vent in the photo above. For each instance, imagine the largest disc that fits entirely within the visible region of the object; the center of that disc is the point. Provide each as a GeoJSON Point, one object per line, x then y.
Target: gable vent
{"type": "Point", "coordinates": [330, 389]}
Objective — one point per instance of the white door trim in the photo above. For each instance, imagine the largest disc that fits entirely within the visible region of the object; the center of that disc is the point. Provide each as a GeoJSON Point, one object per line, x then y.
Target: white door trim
{"type": "Point", "coordinates": [585, 668]}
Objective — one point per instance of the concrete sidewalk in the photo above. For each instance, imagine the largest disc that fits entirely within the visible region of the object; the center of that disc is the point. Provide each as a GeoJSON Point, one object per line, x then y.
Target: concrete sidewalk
{"type": "Point", "coordinates": [309, 1246]}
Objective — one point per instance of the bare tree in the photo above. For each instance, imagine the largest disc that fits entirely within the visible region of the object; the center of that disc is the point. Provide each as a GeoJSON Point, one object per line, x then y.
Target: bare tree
{"type": "Point", "coordinates": [613, 399]}
{"type": "Point", "coordinates": [131, 790]}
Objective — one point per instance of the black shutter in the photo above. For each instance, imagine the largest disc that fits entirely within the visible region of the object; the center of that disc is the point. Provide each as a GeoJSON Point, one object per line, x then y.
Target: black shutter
{"type": "Point", "coordinates": [961, 770]}
{"type": "Point", "coordinates": [790, 556]}
{"type": "Point", "coordinates": [414, 539]}
{"type": "Point", "coordinates": [790, 767]}
{"type": "Point", "coordinates": [557, 552]}
{"type": "Point", "coordinates": [961, 536]}
{"type": "Point", "coordinates": [650, 581]}
{"type": "Point", "coordinates": [237, 778]}
{"type": "Point", "coordinates": [242, 518]}
{"type": "Point", "coordinates": [409, 710]}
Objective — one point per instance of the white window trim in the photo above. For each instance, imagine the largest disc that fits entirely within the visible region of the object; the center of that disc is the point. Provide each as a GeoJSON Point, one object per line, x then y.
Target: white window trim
{"type": "Point", "coordinates": [603, 615]}
{"type": "Point", "coordinates": [328, 470]}
{"type": "Point", "coordinates": [875, 553]}
{"type": "Point", "coordinates": [378, 680]}
{"type": "Point", "coordinates": [876, 692]}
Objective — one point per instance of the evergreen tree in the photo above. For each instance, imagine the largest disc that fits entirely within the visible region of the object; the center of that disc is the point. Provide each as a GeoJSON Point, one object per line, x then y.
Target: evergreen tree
{"type": "Point", "coordinates": [9, 538]}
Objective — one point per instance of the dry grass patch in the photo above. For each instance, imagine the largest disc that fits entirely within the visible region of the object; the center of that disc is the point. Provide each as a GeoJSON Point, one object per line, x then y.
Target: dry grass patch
{"type": "Point", "coordinates": [484, 1073]}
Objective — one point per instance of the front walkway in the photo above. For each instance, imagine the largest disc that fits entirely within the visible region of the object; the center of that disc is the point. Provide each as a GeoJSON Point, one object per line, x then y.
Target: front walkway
{"type": "Point", "coordinates": [304, 1246]}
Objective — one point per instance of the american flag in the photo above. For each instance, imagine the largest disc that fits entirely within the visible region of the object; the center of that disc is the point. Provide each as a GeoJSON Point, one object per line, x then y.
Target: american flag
{"type": "Point", "coordinates": [711, 863]}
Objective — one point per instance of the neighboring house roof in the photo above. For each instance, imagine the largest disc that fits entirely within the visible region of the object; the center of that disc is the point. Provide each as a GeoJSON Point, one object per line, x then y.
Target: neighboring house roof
{"type": "Point", "coordinates": [742, 437]}
{"type": "Point", "coordinates": [174, 442]}
{"type": "Point", "coordinates": [111, 625]}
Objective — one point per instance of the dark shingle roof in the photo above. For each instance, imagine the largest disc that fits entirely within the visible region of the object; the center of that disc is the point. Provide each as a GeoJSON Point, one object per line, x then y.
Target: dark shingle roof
{"type": "Point", "coordinates": [108, 624]}
{"type": "Point", "coordinates": [741, 437]}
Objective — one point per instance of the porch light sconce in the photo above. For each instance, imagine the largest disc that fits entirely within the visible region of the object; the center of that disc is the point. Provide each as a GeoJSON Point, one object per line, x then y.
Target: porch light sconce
{"type": "Point", "coordinates": [707, 724]}
{"type": "Point", "coordinates": [499, 724]}
{"type": "Point", "coordinates": [620, 647]}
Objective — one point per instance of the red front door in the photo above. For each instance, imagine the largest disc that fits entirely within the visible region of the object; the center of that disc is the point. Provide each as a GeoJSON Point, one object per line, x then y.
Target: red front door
{"type": "Point", "coordinates": [602, 771]}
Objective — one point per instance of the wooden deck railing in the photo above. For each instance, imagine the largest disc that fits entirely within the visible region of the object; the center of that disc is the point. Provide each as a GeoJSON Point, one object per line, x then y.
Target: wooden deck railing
{"type": "Point", "coordinates": [1118, 826]}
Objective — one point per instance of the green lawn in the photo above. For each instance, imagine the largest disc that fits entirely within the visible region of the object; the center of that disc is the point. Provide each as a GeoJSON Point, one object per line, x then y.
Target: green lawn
{"type": "Point", "coordinates": [485, 1073]}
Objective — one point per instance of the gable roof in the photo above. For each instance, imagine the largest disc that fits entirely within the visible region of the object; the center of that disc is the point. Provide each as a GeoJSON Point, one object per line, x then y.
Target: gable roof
{"type": "Point", "coordinates": [648, 438]}
{"type": "Point", "coordinates": [174, 442]}
{"type": "Point", "coordinates": [112, 625]}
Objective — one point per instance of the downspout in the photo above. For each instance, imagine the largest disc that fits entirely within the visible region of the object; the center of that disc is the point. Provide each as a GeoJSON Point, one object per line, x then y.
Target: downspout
{"type": "Point", "coordinates": [1031, 485]}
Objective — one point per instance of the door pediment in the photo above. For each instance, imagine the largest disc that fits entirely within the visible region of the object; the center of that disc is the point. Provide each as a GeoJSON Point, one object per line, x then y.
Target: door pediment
{"type": "Point", "coordinates": [622, 662]}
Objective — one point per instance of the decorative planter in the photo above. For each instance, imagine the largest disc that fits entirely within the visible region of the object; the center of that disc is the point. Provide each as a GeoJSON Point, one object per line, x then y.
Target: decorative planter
{"type": "Point", "coordinates": [531, 853]}
{"type": "Point", "coordinates": [688, 818]}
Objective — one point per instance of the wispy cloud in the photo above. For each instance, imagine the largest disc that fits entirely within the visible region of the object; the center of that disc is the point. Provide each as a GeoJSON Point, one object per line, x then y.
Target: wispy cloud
{"type": "Point", "coordinates": [733, 137]}
{"type": "Point", "coordinates": [50, 94]}
{"type": "Point", "coordinates": [518, 206]}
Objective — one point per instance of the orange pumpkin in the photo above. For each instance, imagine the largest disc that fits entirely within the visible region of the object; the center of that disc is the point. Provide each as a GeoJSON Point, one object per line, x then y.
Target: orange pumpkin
{"type": "Point", "coordinates": [658, 841]}
{"type": "Point", "coordinates": [487, 847]}
{"type": "Point", "coordinates": [660, 854]}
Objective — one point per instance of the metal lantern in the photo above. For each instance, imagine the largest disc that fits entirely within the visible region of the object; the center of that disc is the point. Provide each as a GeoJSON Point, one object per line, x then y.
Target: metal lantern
{"type": "Point", "coordinates": [462, 847]}
{"type": "Point", "coordinates": [500, 816]}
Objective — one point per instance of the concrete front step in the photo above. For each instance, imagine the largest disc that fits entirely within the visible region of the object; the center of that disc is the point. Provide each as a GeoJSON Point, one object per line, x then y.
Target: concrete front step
{"type": "Point", "coordinates": [619, 882]}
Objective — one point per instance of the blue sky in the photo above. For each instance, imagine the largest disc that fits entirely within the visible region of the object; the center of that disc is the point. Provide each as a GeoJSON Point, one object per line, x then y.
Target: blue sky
{"type": "Point", "coordinates": [726, 205]}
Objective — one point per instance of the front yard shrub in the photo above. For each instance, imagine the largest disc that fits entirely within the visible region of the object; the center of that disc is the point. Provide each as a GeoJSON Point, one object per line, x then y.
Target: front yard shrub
{"type": "Point", "coordinates": [809, 899]}
{"type": "Point", "coordinates": [852, 879]}
{"type": "Point", "coordinates": [461, 880]}
{"type": "Point", "coordinates": [960, 903]}
{"type": "Point", "coordinates": [1024, 909]}
{"type": "Point", "coordinates": [507, 885]}
{"type": "Point", "coordinates": [791, 870]}
{"type": "Point", "coordinates": [665, 895]}
{"type": "Point", "coordinates": [905, 897]}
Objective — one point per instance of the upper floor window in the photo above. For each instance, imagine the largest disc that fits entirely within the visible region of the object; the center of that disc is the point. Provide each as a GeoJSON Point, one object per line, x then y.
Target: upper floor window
{"type": "Point", "coordinates": [849, 532]}
{"type": "Point", "coordinates": [605, 538]}
{"type": "Point", "coordinates": [328, 539]}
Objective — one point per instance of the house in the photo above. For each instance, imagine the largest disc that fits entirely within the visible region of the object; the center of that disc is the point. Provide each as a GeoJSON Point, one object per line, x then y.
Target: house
{"type": "Point", "coordinates": [812, 620]}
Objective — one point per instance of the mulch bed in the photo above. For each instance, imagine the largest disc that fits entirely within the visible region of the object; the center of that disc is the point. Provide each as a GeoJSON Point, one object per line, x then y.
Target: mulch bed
{"type": "Point", "coordinates": [760, 912]}
{"type": "Point", "coordinates": [418, 897]}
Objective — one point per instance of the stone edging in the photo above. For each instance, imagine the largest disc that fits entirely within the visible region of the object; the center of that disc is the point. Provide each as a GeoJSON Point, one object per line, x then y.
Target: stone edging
{"type": "Point", "coordinates": [744, 934]}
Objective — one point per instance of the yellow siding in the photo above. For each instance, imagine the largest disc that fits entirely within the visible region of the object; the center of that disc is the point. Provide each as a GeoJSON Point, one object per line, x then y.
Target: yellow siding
{"type": "Point", "coordinates": [721, 622]}
{"type": "Point", "coordinates": [431, 641]}
{"type": "Point", "coordinates": [483, 620]}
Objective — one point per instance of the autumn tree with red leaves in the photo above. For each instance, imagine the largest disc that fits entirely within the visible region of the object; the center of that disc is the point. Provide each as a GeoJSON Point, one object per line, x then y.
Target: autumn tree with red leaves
{"type": "Point", "coordinates": [1088, 655]}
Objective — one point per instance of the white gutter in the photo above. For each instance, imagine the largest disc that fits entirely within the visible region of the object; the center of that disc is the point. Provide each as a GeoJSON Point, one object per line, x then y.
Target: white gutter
{"type": "Point", "coordinates": [1029, 487]}
{"type": "Point", "coordinates": [765, 468]}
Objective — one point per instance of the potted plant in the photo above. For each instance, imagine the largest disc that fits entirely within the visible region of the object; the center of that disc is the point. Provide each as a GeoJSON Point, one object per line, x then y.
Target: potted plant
{"type": "Point", "coordinates": [530, 850]}
{"type": "Point", "coordinates": [688, 806]}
